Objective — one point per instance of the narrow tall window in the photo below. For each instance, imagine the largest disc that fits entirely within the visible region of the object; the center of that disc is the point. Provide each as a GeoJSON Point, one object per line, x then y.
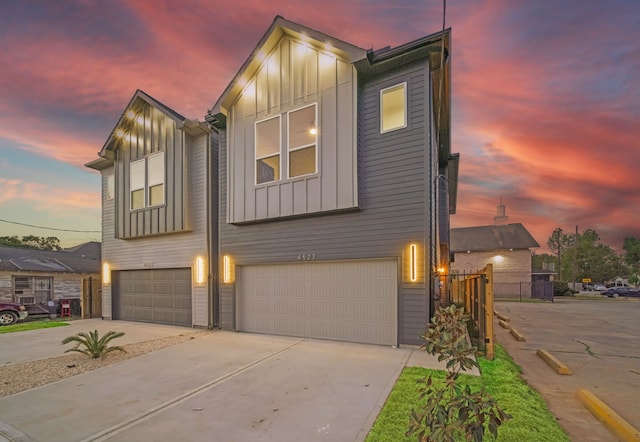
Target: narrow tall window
{"type": "Point", "coordinates": [393, 108]}
{"type": "Point", "coordinates": [156, 179]}
{"type": "Point", "coordinates": [137, 178]}
{"type": "Point", "coordinates": [111, 186]}
{"type": "Point", "coordinates": [303, 139]}
{"type": "Point", "coordinates": [268, 150]}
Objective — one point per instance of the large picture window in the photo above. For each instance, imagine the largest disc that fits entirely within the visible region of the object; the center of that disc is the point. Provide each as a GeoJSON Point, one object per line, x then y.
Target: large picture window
{"type": "Point", "coordinates": [146, 181]}
{"type": "Point", "coordinates": [268, 150]}
{"type": "Point", "coordinates": [303, 136]}
{"type": "Point", "coordinates": [393, 108]}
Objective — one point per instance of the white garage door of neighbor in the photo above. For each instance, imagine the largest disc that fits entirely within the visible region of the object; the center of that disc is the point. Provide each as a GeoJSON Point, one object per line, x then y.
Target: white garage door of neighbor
{"type": "Point", "coordinates": [354, 301]}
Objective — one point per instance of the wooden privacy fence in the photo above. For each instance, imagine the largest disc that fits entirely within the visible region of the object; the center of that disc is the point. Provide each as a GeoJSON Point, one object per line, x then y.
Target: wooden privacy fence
{"type": "Point", "coordinates": [91, 298]}
{"type": "Point", "coordinates": [475, 292]}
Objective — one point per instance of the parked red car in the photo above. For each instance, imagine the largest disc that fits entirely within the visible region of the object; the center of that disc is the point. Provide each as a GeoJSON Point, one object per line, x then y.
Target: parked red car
{"type": "Point", "coordinates": [10, 313]}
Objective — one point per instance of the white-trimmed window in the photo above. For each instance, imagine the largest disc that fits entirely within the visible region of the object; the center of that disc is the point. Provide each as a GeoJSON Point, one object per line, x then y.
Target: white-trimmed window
{"type": "Point", "coordinates": [393, 108]}
{"type": "Point", "coordinates": [268, 138]}
{"type": "Point", "coordinates": [155, 166]}
{"type": "Point", "coordinates": [303, 141]}
{"type": "Point", "coordinates": [137, 178]}
{"type": "Point", "coordinates": [146, 181]}
{"type": "Point", "coordinates": [111, 187]}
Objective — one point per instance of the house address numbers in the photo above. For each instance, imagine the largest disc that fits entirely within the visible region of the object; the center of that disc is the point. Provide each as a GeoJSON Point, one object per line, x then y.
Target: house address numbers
{"type": "Point", "coordinates": [307, 257]}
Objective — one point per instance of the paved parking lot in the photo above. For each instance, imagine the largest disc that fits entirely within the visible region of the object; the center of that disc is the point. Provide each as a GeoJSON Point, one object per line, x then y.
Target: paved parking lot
{"type": "Point", "coordinates": [599, 341]}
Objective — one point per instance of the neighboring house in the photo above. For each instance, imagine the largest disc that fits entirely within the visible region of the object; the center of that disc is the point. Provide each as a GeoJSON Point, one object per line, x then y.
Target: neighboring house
{"type": "Point", "coordinates": [336, 184]}
{"type": "Point", "coordinates": [507, 247]}
{"type": "Point", "coordinates": [32, 277]}
{"type": "Point", "coordinates": [323, 201]}
{"type": "Point", "coordinates": [159, 191]}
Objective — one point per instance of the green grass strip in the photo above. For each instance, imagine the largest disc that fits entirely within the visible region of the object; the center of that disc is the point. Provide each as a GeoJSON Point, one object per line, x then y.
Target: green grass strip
{"type": "Point", "coordinates": [31, 326]}
{"type": "Point", "coordinates": [531, 419]}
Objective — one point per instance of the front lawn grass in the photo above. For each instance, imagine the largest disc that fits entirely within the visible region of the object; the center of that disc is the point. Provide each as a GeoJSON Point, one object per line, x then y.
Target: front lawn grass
{"type": "Point", "coordinates": [531, 419]}
{"type": "Point", "coordinates": [35, 325]}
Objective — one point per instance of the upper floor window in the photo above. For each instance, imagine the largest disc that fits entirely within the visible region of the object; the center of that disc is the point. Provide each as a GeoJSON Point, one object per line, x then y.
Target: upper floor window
{"type": "Point", "coordinates": [268, 150]}
{"type": "Point", "coordinates": [300, 150]}
{"type": "Point", "coordinates": [146, 181]}
{"type": "Point", "coordinates": [303, 136]}
{"type": "Point", "coordinates": [393, 108]}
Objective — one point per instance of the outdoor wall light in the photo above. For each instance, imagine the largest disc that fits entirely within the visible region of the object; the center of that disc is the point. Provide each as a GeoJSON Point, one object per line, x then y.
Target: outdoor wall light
{"type": "Point", "coordinates": [498, 258]}
{"type": "Point", "coordinates": [413, 259]}
{"type": "Point", "coordinates": [227, 276]}
{"type": "Point", "coordinates": [200, 274]}
{"type": "Point", "coordinates": [106, 274]}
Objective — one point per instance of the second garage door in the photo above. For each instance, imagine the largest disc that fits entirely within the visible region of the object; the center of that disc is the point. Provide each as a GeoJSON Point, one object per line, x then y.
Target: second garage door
{"type": "Point", "coordinates": [161, 296]}
{"type": "Point", "coordinates": [353, 301]}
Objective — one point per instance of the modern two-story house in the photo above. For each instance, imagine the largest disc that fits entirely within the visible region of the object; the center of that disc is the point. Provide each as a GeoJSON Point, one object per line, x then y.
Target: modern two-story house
{"type": "Point", "coordinates": [333, 161]}
{"type": "Point", "coordinates": [315, 202]}
{"type": "Point", "coordinates": [159, 190]}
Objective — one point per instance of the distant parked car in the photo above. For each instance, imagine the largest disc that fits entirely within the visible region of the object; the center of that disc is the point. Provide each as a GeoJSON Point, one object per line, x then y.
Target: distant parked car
{"type": "Point", "coordinates": [614, 292]}
{"type": "Point", "coordinates": [10, 313]}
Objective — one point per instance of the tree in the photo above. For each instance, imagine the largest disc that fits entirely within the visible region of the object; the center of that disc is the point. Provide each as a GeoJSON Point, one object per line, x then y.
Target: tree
{"type": "Point", "coordinates": [593, 259]}
{"type": "Point", "coordinates": [559, 243]}
{"type": "Point", "coordinates": [631, 247]}
{"type": "Point", "coordinates": [32, 242]}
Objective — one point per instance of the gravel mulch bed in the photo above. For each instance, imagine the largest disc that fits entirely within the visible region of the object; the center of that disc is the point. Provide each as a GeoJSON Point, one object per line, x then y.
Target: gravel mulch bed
{"type": "Point", "coordinates": [15, 378]}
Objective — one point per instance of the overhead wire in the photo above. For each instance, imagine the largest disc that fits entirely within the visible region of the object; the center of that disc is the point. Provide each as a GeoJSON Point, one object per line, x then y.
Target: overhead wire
{"type": "Point", "coordinates": [49, 228]}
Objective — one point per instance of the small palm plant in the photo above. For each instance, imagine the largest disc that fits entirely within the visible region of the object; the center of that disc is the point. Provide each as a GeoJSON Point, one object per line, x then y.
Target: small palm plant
{"type": "Point", "coordinates": [94, 345]}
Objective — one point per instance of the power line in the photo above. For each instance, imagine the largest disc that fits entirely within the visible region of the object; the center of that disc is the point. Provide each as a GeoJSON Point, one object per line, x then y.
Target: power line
{"type": "Point", "coordinates": [49, 228]}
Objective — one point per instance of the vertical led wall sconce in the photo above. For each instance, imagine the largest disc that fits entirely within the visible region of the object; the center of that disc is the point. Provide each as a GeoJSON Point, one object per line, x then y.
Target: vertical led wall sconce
{"type": "Point", "coordinates": [106, 274]}
{"type": "Point", "coordinates": [227, 274]}
{"type": "Point", "coordinates": [200, 272]}
{"type": "Point", "coordinates": [413, 263]}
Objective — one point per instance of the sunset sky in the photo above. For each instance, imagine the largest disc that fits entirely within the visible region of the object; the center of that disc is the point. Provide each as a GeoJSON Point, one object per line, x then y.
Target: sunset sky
{"type": "Point", "coordinates": [546, 97]}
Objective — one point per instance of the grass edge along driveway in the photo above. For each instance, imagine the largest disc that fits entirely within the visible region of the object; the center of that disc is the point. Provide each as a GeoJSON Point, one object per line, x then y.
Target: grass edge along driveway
{"type": "Point", "coordinates": [35, 325]}
{"type": "Point", "coordinates": [531, 419]}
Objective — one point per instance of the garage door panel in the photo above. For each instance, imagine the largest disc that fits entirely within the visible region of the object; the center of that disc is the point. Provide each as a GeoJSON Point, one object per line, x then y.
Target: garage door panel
{"type": "Point", "coordinates": [350, 301]}
{"type": "Point", "coordinates": [159, 295]}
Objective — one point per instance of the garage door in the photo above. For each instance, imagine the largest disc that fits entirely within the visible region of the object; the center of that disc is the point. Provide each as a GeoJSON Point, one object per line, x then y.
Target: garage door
{"type": "Point", "coordinates": [352, 301]}
{"type": "Point", "coordinates": [161, 296]}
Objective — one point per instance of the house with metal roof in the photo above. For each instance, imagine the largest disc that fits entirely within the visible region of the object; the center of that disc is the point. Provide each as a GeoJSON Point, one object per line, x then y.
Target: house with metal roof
{"type": "Point", "coordinates": [36, 277]}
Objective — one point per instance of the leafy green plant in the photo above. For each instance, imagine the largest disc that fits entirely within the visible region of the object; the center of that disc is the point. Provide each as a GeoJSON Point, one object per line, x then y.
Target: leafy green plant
{"type": "Point", "coordinates": [93, 345]}
{"type": "Point", "coordinates": [448, 410]}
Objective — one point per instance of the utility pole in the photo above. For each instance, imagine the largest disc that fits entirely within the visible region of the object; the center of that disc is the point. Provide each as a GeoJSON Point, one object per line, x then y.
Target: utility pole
{"type": "Point", "coordinates": [575, 257]}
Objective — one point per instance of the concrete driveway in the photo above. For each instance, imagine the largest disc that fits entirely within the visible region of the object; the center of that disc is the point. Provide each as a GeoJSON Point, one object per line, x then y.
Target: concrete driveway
{"type": "Point", "coordinates": [597, 339]}
{"type": "Point", "coordinates": [221, 386]}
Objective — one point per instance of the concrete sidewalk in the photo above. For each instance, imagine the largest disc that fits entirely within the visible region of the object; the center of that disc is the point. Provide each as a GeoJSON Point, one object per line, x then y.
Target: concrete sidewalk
{"type": "Point", "coordinates": [221, 386]}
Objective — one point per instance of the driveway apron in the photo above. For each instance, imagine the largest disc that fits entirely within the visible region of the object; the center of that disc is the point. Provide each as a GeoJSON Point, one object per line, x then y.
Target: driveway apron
{"type": "Point", "coordinates": [224, 386]}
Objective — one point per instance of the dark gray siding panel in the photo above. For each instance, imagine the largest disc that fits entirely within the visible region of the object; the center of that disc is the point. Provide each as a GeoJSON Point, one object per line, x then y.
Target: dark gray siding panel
{"type": "Point", "coordinates": [394, 207]}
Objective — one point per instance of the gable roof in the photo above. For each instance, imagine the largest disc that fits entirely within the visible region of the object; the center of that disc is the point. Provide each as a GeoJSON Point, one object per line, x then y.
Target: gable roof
{"type": "Point", "coordinates": [135, 105]}
{"type": "Point", "coordinates": [279, 27]}
{"type": "Point", "coordinates": [485, 238]}
{"type": "Point", "coordinates": [84, 258]}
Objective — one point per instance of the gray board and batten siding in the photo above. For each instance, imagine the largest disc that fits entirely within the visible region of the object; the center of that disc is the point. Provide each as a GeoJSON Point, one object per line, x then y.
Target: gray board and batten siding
{"type": "Point", "coordinates": [173, 247]}
{"type": "Point", "coordinates": [160, 135]}
{"type": "Point", "coordinates": [297, 76]}
{"type": "Point", "coordinates": [393, 207]}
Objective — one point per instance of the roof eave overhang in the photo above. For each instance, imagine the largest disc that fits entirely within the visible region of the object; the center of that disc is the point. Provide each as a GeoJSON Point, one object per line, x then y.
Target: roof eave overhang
{"type": "Point", "coordinates": [138, 98]}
